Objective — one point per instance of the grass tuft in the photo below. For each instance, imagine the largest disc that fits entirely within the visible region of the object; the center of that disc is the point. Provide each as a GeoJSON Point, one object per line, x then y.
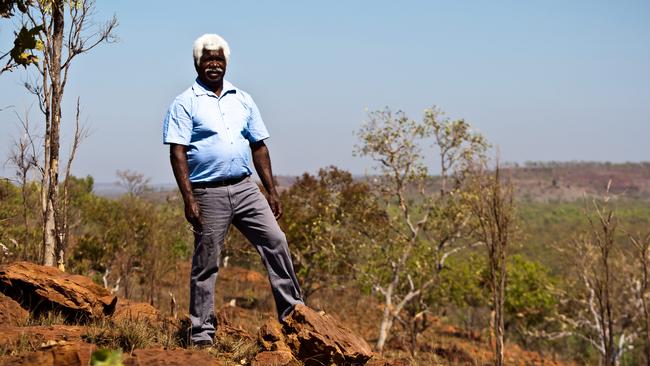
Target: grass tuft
{"type": "Point", "coordinates": [127, 335]}
{"type": "Point", "coordinates": [21, 346]}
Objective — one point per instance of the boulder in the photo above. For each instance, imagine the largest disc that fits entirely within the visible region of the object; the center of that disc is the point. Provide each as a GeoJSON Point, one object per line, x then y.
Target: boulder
{"type": "Point", "coordinates": [314, 339]}
{"type": "Point", "coordinates": [40, 289]}
{"type": "Point", "coordinates": [11, 313]}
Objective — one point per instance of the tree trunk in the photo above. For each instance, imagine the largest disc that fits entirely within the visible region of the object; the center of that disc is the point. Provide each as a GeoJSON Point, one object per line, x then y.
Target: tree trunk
{"type": "Point", "coordinates": [384, 329]}
{"type": "Point", "coordinates": [53, 236]}
{"type": "Point", "coordinates": [498, 318]}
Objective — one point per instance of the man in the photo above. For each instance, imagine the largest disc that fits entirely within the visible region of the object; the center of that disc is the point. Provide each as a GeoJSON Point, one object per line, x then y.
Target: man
{"type": "Point", "coordinates": [212, 129]}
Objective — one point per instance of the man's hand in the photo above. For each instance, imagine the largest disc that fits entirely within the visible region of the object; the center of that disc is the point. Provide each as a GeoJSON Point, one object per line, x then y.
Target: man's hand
{"type": "Point", "coordinates": [178, 158]}
{"type": "Point", "coordinates": [276, 205]}
{"type": "Point", "coordinates": [193, 215]}
{"type": "Point", "coordinates": [262, 162]}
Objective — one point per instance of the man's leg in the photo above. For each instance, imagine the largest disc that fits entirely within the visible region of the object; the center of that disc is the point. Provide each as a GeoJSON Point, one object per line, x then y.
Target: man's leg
{"type": "Point", "coordinates": [216, 213]}
{"type": "Point", "coordinates": [254, 218]}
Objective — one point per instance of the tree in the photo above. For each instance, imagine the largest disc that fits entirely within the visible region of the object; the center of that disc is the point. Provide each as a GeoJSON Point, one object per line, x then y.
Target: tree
{"type": "Point", "coordinates": [596, 306]}
{"type": "Point", "coordinates": [326, 217]}
{"type": "Point", "coordinates": [494, 208]}
{"type": "Point", "coordinates": [62, 30]}
{"type": "Point", "coordinates": [23, 157]}
{"type": "Point", "coordinates": [423, 227]}
{"type": "Point", "coordinates": [135, 183]}
{"type": "Point", "coordinates": [641, 246]}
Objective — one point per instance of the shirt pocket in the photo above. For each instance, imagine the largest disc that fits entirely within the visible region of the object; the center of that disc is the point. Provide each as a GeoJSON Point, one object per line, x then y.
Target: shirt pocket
{"type": "Point", "coordinates": [206, 120]}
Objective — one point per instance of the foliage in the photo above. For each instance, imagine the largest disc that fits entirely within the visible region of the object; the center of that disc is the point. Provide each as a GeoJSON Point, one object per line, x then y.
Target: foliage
{"type": "Point", "coordinates": [530, 296]}
{"type": "Point", "coordinates": [106, 357]}
{"type": "Point", "coordinates": [423, 227]}
{"type": "Point", "coordinates": [326, 218]}
{"type": "Point", "coordinates": [132, 238]}
{"type": "Point", "coordinates": [27, 39]}
{"type": "Point", "coordinates": [595, 306]}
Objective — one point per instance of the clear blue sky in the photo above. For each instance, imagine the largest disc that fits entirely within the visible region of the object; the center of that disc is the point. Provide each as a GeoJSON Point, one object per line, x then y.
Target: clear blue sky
{"type": "Point", "coordinates": [543, 80]}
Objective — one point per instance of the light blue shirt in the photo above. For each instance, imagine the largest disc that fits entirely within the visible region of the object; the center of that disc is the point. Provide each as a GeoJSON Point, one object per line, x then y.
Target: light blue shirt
{"type": "Point", "coordinates": [216, 130]}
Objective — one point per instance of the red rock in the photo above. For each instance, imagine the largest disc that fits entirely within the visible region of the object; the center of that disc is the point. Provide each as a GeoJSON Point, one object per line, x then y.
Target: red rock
{"type": "Point", "coordinates": [58, 354]}
{"type": "Point", "coordinates": [317, 339]}
{"type": "Point", "coordinates": [11, 313]}
{"type": "Point", "coordinates": [161, 357]}
{"type": "Point", "coordinates": [389, 362]}
{"type": "Point", "coordinates": [41, 288]}
{"type": "Point", "coordinates": [138, 311]}
{"type": "Point", "coordinates": [270, 336]}
{"type": "Point", "coordinates": [39, 334]}
{"type": "Point", "coordinates": [275, 358]}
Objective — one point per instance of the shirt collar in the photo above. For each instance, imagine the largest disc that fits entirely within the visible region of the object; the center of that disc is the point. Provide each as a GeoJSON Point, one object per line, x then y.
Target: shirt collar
{"type": "Point", "coordinates": [200, 89]}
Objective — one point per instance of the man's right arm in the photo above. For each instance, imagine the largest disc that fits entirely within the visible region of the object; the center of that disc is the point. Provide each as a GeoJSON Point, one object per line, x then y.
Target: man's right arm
{"type": "Point", "coordinates": [178, 158]}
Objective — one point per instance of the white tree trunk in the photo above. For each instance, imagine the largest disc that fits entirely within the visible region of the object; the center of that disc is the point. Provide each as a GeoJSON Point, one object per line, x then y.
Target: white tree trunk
{"type": "Point", "coordinates": [49, 254]}
{"type": "Point", "coordinates": [384, 329]}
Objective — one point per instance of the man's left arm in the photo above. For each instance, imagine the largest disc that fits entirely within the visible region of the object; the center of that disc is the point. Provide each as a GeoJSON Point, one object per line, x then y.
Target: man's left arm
{"type": "Point", "coordinates": [262, 162]}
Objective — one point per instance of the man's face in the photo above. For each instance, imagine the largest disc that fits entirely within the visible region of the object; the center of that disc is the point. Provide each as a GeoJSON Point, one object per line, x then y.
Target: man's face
{"type": "Point", "coordinates": [212, 66]}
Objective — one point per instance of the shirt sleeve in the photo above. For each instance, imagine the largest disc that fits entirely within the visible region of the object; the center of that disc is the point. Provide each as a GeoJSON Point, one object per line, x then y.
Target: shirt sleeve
{"type": "Point", "coordinates": [256, 128]}
{"type": "Point", "coordinates": [177, 126]}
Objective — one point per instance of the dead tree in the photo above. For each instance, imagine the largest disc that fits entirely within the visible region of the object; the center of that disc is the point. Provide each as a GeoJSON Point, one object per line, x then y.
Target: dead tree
{"type": "Point", "coordinates": [61, 43]}
{"type": "Point", "coordinates": [597, 306]}
{"type": "Point", "coordinates": [24, 158]}
{"type": "Point", "coordinates": [494, 209]}
{"type": "Point", "coordinates": [642, 288]}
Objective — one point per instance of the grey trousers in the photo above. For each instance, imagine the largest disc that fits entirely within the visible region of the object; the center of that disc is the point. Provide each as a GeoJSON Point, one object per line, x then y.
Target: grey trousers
{"type": "Point", "coordinates": [244, 206]}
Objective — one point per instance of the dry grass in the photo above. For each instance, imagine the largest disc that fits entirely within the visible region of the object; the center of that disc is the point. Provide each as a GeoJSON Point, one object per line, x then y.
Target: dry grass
{"type": "Point", "coordinates": [240, 350]}
{"type": "Point", "coordinates": [47, 319]}
{"type": "Point", "coordinates": [23, 345]}
{"type": "Point", "coordinates": [128, 334]}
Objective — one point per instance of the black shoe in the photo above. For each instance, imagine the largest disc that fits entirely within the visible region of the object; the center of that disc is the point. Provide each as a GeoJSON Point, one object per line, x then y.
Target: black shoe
{"type": "Point", "coordinates": [202, 344]}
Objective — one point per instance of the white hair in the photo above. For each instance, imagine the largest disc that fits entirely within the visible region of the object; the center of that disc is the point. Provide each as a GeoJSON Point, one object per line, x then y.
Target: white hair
{"type": "Point", "coordinates": [211, 42]}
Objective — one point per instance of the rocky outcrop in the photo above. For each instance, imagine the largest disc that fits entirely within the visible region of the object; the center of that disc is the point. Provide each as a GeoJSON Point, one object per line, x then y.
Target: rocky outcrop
{"type": "Point", "coordinates": [162, 357]}
{"type": "Point", "coordinates": [10, 335]}
{"type": "Point", "coordinates": [314, 339]}
{"type": "Point", "coordinates": [55, 354]}
{"type": "Point", "coordinates": [11, 313]}
{"type": "Point", "coordinates": [41, 289]}
{"type": "Point", "coordinates": [79, 354]}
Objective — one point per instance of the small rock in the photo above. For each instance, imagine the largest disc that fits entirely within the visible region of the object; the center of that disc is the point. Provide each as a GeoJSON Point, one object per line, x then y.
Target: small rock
{"type": "Point", "coordinates": [11, 313]}
{"type": "Point", "coordinates": [389, 362]}
{"type": "Point", "coordinates": [270, 336]}
{"type": "Point", "coordinates": [275, 358]}
{"type": "Point", "coordinates": [127, 310]}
